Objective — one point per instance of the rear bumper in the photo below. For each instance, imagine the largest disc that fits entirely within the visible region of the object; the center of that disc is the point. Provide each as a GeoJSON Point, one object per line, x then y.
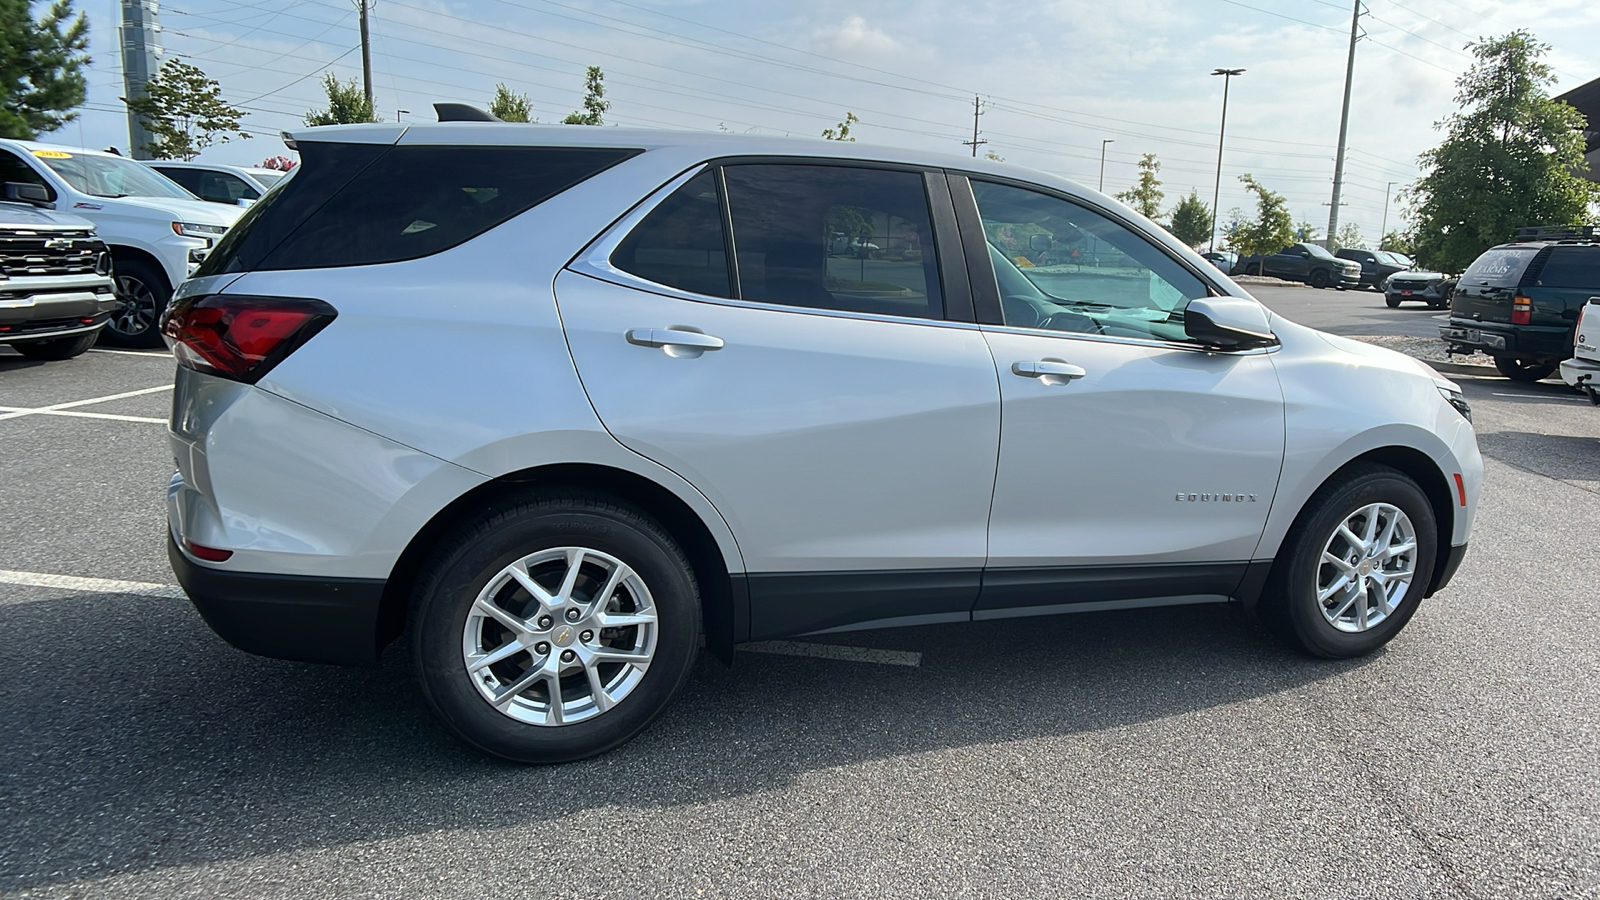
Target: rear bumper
{"type": "Point", "coordinates": [1533, 343]}
{"type": "Point", "coordinates": [1580, 372]}
{"type": "Point", "coordinates": [299, 617]}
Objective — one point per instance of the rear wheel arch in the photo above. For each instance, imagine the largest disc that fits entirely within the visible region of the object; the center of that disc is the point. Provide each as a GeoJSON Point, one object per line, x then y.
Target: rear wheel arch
{"type": "Point", "coordinates": [721, 605]}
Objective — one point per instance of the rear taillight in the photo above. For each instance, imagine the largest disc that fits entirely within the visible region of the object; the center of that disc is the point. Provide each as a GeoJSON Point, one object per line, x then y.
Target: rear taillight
{"type": "Point", "coordinates": [241, 337]}
{"type": "Point", "coordinates": [1521, 311]}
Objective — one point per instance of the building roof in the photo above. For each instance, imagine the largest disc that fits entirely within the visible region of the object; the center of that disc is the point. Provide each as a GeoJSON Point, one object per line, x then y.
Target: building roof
{"type": "Point", "coordinates": [1585, 98]}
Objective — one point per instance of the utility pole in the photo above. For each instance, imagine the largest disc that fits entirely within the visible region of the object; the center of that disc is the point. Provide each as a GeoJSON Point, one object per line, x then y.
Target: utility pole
{"type": "Point", "coordinates": [1103, 162]}
{"type": "Point", "coordinates": [366, 54]}
{"type": "Point", "coordinates": [1216, 189]}
{"type": "Point", "coordinates": [1382, 229]}
{"type": "Point", "coordinates": [1344, 125]}
{"type": "Point", "coordinates": [141, 60]}
{"type": "Point", "coordinates": [977, 110]}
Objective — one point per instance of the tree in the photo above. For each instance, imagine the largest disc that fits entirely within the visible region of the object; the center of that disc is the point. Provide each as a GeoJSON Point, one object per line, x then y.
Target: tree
{"type": "Point", "coordinates": [841, 132]}
{"type": "Point", "coordinates": [594, 102]}
{"type": "Point", "coordinates": [347, 104]}
{"type": "Point", "coordinates": [1272, 229]}
{"type": "Point", "coordinates": [511, 106]}
{"type": "Point", "coordinates": [1511, 156]}
{"type": "Point", "coordinates": [1399, 243]}
{"type": "Point", "coordinates": [184, 112]}
{"type": "Point", "coordinates": [1146, 195]}
{"type": "Point", "coordinates": [1349, 236]}
{"type": "Point", "coordinates": [1191, 220]}
{"type": "Point", "coordinates": [990, 154]}
{"type": "Point", "coordinates": [41, 67]}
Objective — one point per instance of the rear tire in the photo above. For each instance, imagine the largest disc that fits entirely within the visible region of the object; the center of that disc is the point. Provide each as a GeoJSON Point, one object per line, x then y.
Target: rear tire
{"type": "Point", "coordinates": [554, 682]}
{"type": "Point", "coordinates": [1305, 603]}
{"type": "Point", "coordinates": [142, 296]}
{"type": "Point", "coordinates": [1517, 370]}
{"type": "Point", "coordinates": [59, 348]}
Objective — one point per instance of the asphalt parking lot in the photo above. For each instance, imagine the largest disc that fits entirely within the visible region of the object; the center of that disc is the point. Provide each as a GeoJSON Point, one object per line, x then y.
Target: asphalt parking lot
{"type": "Point", "coordinates": [1148, 753]}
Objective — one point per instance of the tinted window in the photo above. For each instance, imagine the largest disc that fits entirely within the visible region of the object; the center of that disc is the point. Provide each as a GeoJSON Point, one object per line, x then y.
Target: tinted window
{"type": "Point", "coordinates": [834, 237]}
{"type": "Point", "coordinates": [1499, 268]}
{"type": "Point", "coordinates": [14, 169]}
{"type": "Point", "coordinates": [364, 204]}
{"type": "Point", "coordinates": [680, 243]}
{"type": "Point", "coordinates": [221, 187]}
{"type": "Point", "coordinates": [1064, 267]}
{"type": "Point", "coordinates": [189, 178]}
{"type": "Point", "coordinates": [1572, 267]}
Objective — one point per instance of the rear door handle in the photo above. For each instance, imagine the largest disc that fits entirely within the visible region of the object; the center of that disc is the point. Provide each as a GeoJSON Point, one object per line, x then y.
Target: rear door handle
{"type": "Point", "coordinates": [1049, 371]}
{"type": "Point", "coordinates": [674, 338]}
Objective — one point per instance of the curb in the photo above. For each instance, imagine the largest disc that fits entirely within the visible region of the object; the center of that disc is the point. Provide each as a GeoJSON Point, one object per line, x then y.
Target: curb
{"type": "Point", "coordinates": [1450, 368]}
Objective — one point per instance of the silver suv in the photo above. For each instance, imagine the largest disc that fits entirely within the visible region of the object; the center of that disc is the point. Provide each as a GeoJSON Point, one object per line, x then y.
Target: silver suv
{"type": "Point", "coordinates": [557, 402]}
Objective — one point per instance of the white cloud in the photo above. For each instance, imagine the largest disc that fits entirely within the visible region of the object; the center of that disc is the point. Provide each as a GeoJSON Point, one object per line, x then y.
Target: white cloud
{"type": "Point", "coordinates": [856, 40]}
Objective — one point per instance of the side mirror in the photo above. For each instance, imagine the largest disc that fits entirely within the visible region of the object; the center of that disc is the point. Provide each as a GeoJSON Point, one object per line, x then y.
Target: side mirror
{"type": "Point", "coordinates": [35, 194]}
{"type": "Point", "coordinates": [1228, 323]}
{"type": "Point", "coordinates": [1039, 242]}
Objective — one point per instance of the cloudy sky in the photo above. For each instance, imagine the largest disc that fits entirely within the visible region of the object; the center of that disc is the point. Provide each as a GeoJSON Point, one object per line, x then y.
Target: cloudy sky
{"type": "Point", "coordinates": [1056, 77]}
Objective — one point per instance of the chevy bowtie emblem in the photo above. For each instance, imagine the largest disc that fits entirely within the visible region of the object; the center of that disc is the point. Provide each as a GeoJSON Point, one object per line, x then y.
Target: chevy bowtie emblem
{"type": "Point", "coordinates": [58, 244]}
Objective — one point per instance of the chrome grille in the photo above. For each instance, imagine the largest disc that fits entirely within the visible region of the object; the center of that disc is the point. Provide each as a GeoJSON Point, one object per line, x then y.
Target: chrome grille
{"type": "Point", "coordinates": [30, 254]}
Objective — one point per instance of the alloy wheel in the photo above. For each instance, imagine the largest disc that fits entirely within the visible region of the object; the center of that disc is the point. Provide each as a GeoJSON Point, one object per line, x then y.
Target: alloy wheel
{"type": "Point", "coordinates": [560, 636]}
{"type": "Point", "coordinates": [1367, 567]}
{"type": "Point", "coordinates": [136, 307]}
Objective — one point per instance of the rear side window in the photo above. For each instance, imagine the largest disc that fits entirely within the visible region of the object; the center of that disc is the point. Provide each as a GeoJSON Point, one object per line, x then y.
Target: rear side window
{"type": "Point", "coordinates": [1572, 267]}
{"type": "Point", "coordinates": [681, 244]}
{"type": "Point", "coordinates": [360, 204]}
{"type": "Point", "coordinates": [1499, 268]}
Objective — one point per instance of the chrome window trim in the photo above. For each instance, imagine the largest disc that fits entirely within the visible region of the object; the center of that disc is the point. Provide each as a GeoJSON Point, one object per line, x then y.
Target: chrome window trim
{"type": "Point", "coordinates": [1129, 341]}
{"type": "Point", "coordinates": [595, 262]}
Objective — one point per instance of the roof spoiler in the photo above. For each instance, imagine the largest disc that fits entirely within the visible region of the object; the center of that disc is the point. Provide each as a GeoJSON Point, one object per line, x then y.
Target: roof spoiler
{"type": "Point", "coordinates": [461, 112]}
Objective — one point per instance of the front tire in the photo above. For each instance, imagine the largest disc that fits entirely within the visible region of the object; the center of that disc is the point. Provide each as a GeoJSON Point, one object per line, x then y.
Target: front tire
{"type": "Point", "coordinates": [555, 629]}
{"type": "Point", "coordinates": [59, 348]}
{"type": "Point", "coordinates": [1528, 372]}
{"type": "Point", "coordinates": [1319, 279]}
{"type": "Point", "coordinates": [1392, 301]}
{"type": "Point", "coordinates": [1354, 566]}
{"type": "Point", "coordinates": [142, 295]}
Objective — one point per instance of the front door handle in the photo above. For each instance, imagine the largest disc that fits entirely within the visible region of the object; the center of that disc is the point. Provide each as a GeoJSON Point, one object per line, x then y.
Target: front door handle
{"type": "Point", "coordinates": [675, 341]}
{"type": "Point", "coordinates": [1049, 371]}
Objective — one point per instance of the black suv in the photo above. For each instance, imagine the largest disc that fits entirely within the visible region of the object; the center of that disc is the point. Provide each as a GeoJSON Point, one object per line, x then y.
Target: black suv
{"type": "Point", "coordinates": [1303, 262]}
{"type": "Point", "coordinates": [1519, 302]}
{"type": "Point", "coordinates": [1376, 265]}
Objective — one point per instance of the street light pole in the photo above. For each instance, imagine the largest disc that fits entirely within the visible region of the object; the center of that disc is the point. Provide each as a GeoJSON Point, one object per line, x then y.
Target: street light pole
{"type": "Point", "coordinates": [1216, 190]}
{"type": "Point", "coordinates": [1382, 229]}
{"type": "Point", "coordinates": [1103, 162]}
{"type": "Point", "coordinates": [398, 112]}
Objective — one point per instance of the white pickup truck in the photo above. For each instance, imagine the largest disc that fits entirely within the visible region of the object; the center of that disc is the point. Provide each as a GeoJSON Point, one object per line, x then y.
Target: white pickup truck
{"type": "Point", "coordinates": [1582, 371]}
{"type": "Point", "coordinates": [157, 232]}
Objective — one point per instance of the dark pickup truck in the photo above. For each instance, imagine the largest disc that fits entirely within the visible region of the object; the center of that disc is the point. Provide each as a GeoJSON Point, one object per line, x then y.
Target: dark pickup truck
{"type": "Point", "coordinates": [1519, 302]}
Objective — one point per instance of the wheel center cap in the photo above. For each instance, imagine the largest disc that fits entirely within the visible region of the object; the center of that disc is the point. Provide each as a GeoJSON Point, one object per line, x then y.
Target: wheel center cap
{"type": "Point", "coordinates": [563, 635]}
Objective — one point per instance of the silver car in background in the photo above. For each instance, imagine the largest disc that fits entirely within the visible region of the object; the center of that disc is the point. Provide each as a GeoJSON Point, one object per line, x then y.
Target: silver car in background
{"type": "Point", "coordinates": [556, 403]}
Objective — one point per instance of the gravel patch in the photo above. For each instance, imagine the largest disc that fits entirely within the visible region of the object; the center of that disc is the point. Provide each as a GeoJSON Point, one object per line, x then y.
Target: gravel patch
{"type": "Point", "coordinates": [1429, 350]}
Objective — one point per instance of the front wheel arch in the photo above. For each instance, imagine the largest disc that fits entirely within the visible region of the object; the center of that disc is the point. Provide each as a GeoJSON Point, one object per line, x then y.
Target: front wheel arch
{"type": "Point", "coordinates": [723, 611]}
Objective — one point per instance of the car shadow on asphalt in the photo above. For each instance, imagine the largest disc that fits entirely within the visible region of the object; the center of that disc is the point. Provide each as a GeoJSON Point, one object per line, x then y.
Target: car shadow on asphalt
{"type": "Point", "coordinates": [1565, 457]}
{"type": "Point", "coordinates": [137, 740]}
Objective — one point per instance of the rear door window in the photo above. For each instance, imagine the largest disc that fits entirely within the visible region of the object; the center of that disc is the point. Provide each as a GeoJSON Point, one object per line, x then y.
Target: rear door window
{"type": "Point", "coordinates": [681, 243]}
{"type": "Point", "coordinates": [834, 237]}
{"type": "Point", "coordinates": [361, 204]}
{"type": "Point", "coordinates": [1572, 267]}
{"type": "Point", "coordinates": [1499, 268]}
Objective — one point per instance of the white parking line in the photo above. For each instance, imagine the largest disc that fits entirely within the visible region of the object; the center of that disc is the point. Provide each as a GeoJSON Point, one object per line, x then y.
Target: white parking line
{"type": "Point", "coordinates": [91, 585]}
{"type": "Point", "coordinates": [1539, 397]}
{"type": "Point", "coordinates": [81, 415]}
{"type": "Point", "coordinates": [836, 651]}
{"type": "Point", "coordinates": [43, 410]}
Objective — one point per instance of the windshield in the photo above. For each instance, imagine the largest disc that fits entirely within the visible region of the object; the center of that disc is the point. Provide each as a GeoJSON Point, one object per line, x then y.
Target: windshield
{"type": "Point", "coordinates": [1317, 251]}
{"type": "Point", "coordinates": [1390, 258]}
{"type": "Point", "coordinates": [110, 176]}
{"type": "Point", "coordinates": [268, 179]}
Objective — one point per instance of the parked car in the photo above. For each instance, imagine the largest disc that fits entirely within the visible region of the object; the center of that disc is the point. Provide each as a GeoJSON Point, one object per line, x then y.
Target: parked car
{"type": "Point", "coordinates": [55, 277]}
{"type": "Point", "coordinates": [1224, 260]}
{"type": "Point", "coordinates": [1432, 288]}
{"type": "Point", "coordinates": [156, 231]}
{"type": "Point", "coordinates": [233, 185]}
{"type": "Point", "coordinates": [530, 412]}
{"type": "Point", "coordinates": [1582, 371]}
{"type": "Point", "coordinates": [1376, 265]}
{"type": "Point", "coordinates": [1304, 262]}
{"type": "Point", "coordinates": [1519, 302]}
